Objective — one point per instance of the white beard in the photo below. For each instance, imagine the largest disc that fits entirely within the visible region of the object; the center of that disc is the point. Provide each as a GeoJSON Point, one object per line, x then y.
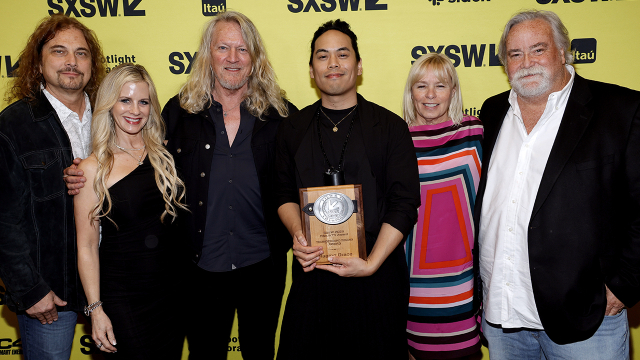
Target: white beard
{"type": "Point", "coordinates": [525, 88]}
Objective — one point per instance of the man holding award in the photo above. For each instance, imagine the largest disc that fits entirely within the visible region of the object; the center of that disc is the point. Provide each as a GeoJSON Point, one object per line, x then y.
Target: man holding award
{"type": "Point", "coordinates": [345, 161]}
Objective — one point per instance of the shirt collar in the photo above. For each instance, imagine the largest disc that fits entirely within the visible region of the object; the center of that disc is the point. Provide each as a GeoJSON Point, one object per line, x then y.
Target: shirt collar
{"type": "Point", "coordinates": [63, 111]}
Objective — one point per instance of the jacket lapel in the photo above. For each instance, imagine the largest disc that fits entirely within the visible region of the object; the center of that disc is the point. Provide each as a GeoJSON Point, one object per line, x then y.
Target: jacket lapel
{"type": "Point", "coordinates": [575, 121]}
{"type": "Point", "coordinates": [492, 124]}
{"type": "Point", "coordinates": [372, 137]}
{"type": "Point", "coordinates": [260, 123]}
{"type": "Point", "coordinates": [491, 131]}
{"type": "Point", "coordinates": [41, 108]}
{"type": "Point", "coordinates": [304, 154]}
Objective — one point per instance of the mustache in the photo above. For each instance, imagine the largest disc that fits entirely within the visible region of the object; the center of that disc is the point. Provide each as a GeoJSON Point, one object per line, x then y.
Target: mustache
{"type": "Point", "coordinates": [71, 69]}
{"type": "Point", "coordinates": [534, 70]}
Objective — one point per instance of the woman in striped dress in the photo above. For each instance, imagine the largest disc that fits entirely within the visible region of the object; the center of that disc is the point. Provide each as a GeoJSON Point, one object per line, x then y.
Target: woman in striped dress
{"type": "Point", "coordinates": [441, 322]}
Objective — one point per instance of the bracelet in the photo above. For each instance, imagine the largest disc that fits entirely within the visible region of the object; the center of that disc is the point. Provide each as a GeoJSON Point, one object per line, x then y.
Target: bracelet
{"type": "Point", "coordinates": [90, 308]}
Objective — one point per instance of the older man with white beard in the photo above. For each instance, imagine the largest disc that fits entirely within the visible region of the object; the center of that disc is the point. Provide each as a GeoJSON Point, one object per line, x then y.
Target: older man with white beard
{"type": "Point", "coordinates": [558, 205]}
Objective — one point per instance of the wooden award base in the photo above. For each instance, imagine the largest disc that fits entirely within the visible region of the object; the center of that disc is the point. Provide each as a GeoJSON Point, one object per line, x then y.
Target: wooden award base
{"type": "Point", "coordinates": [345, 239]}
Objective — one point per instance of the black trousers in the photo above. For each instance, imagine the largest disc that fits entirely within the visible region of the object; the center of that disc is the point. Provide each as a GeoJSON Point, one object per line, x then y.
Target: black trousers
{"type": "Point", "coordinates": [255, 291]}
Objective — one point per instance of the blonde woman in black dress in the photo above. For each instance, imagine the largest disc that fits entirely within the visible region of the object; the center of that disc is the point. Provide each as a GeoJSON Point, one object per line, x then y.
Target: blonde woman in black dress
{"type": "Point", "coordinates": [135, 193]}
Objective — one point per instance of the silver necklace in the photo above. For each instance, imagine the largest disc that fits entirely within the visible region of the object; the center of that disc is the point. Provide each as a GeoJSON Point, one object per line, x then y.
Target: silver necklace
{"type": "Point", "coordinates": [225, 113]}
{"type": "Point", "coordinates": [139, 158]}
{"type": "Point", "coordinates": [123, 149]}
{"type": "Point", "coordinates": [335, 125]}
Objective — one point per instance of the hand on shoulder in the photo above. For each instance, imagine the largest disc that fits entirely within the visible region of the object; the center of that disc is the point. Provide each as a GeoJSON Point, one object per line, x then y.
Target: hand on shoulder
{"type": "Point", "coordinates": [89, 167]}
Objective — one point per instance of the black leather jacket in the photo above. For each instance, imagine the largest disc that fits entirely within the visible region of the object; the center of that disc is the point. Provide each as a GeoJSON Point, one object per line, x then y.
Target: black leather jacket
{"type": "Point", "coordinates": [37, 229]}
{"type": "Point", "coordinates": [192, 141]}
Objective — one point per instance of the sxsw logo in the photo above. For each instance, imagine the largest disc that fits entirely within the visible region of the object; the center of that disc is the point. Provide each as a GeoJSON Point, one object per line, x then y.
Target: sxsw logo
{"type": "Point", "coordinates": [87, 345]}
{"type": "Point", "coordinates": [437, 2]}
{"type": "Point", "coordinates": [213, 7]}
{"type": "Point", "coordinates": [468, 55]}
{"type": "Point", "coordinates": [297, 6]}
{"type": "Point", "coordinates": [89, 8]}
{"type": "Point", "coordinates": [584, 50]}
{"type": "Point", "coordinates": [9, 67]}
{"type": "Point", "coordinates": [177, 60]}
{"type": "Point", "coordinates": [544, 2]}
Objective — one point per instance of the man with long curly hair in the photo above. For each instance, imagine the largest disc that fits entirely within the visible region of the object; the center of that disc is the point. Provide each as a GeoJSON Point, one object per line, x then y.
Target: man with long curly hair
{"type": "Point", "coordinates": [40, 133]}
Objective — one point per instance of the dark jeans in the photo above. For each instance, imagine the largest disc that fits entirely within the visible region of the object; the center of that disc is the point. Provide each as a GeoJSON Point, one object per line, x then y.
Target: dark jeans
{"type": "Point", "coordinates": [255, 291]}
{"type": "Point", "coordinates": [48, 342]}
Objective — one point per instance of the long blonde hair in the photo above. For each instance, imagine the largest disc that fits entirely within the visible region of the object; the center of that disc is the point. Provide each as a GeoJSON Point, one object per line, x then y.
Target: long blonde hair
{"type": "Point", "coordinates": [103, 136]}
{"type": "Point", "coordinates": [263, 90]}
{"type": "Point", "coordinates": [444, 70]}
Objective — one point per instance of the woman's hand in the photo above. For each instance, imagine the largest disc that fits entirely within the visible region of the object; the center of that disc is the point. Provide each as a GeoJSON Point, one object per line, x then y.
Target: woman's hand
{"type": "Point", "coordinates": [349, 266]}
{"type": "Point", "coordinates": [306, 255]}
{"type": "Point", "coordinates": [102, 331]}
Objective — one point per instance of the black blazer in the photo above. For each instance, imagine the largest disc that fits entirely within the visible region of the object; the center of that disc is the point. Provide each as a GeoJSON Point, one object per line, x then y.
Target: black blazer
{"type": "Point", "coordinates": [584, 230]}
{"type": "Point", "coordinates": [191, 142]}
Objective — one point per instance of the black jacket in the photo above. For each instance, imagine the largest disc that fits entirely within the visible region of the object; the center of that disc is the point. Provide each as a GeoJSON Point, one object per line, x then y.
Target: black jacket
{"type": "Point", "coordinates": [388, 148]}
{"type": "Point", "coordinates": [37, 230]}
{"type": "Point", "coordinates": [191, 141]}
{"type": "Point", "coordinates": [584, 230]}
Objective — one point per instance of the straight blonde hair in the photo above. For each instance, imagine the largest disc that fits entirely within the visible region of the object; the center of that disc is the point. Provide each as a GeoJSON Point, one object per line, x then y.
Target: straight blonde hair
{"type": "Point", "coordinates": [444, 70]}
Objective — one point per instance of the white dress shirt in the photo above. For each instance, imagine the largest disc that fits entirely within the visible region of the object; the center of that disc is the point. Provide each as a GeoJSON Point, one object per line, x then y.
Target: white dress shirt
{"type": "Point", "coordinates": [513, 177]}
{"type": "Point", "coordinates": [79, 131]}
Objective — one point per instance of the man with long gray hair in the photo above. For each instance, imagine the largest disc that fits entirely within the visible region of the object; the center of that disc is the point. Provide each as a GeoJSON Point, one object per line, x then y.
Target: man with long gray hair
{"type": "Point", "coordinates": [558, 205]}
{"type": "Point", "coordinates": [221, 132]}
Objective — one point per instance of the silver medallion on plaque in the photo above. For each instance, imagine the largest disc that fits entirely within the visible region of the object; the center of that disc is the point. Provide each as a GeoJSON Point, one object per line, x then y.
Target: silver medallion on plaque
{"type": "Point", "coordinates": [333, 208]}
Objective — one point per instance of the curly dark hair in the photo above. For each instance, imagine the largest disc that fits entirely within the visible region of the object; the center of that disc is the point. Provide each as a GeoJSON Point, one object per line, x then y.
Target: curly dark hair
{"type": "Point", "coordinates": [338, 25]}
{"type": "Point", "coordinates": [27, 77]}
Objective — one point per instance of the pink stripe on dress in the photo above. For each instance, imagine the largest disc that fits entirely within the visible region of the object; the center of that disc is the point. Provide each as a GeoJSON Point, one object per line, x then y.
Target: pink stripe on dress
{"type": "Point", "coordinates": [444, 347]}
{"type": "Point", "coordinates": [442, 329]}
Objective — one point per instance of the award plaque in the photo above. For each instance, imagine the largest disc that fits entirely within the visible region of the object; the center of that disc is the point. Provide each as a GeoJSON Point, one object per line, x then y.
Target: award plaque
{"type": "Point", "coordinates": [333, 218]}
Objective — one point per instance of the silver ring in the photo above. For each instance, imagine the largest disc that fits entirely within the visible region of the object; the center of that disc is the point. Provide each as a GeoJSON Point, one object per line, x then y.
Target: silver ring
{"type": "Point", "coordinates": [99, 345]}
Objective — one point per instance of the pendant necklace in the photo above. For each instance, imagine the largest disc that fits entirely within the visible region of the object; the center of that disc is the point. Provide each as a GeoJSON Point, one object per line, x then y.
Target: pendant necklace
{"type": "Point", "coordinates": [225, 113]}
{"type": "Point", "coordinates": [139, 158]}
{"type": "Point", "coordinates": [335, 125]}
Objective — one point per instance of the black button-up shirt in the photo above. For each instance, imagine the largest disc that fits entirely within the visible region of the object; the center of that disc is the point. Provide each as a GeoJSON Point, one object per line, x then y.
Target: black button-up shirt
{"type": "Point", "coordinates": [235, 234]}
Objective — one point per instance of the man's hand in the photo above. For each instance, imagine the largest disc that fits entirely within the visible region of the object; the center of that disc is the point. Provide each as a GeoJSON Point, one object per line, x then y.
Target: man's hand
{"type": "Point", "coordinates": [306, 255]}
{"type": "Point", "coordinates": [45, 309]}
{"type": "Point", "coordinates": [74, 178]}
{"type": "Point", "coordinates": [349, 266]}
{"type": "Point", "coordinates": [614, 306]}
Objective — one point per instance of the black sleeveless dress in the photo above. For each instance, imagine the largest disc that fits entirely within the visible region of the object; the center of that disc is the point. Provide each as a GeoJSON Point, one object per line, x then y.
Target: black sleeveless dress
{"type": "Point", "coordinates": [137, 271]}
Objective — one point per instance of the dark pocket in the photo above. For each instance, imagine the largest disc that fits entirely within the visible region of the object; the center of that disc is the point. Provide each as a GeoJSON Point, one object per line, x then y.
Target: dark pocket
{"type": "Point", "coordinates": [595, 163]}
{"type": "Point", "coordinates": [45, 173]}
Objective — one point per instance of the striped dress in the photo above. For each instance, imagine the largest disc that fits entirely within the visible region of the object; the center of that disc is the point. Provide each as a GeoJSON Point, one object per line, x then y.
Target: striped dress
{"type": "Point", "coordinates": [441, 323]}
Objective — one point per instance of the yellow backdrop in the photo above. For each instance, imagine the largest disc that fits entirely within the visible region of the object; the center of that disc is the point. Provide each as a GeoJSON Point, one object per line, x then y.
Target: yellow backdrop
{"type": "Point", "coordinates": [163, 36]}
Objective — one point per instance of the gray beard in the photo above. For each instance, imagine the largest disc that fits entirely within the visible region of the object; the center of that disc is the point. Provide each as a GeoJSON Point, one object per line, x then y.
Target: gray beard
{"type": "Point", "coordinates": [231, 86]}
{"type": "Point", "coordinates": [524, 88]}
